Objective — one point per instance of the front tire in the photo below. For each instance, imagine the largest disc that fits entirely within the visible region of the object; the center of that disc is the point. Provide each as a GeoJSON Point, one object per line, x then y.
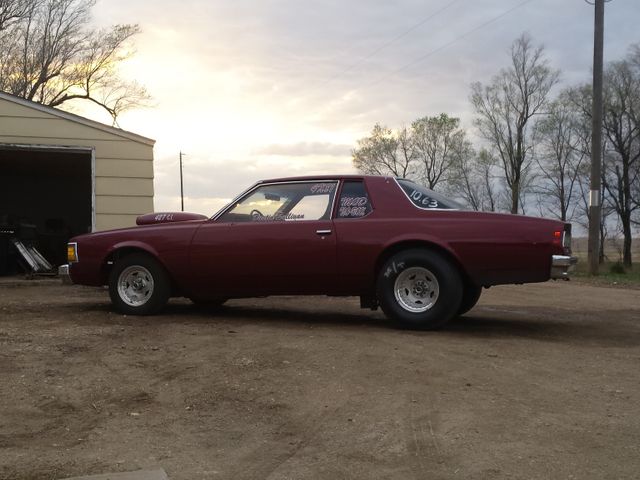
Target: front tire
{"type": "Point", "coordinates": [138, 285]}
{"type": "Point", "coordinates": [419, 289]}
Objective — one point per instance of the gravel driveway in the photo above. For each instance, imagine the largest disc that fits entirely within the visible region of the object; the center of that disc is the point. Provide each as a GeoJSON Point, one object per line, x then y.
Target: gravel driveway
{"type": "Point", "coordinates": [538, 381]}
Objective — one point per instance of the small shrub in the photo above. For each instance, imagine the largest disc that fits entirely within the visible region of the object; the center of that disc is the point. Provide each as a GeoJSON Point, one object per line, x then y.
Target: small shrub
{"type": "Point", "coordinates": [617, 268]}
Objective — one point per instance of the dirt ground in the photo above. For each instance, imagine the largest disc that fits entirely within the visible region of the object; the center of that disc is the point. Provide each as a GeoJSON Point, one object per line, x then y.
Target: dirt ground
{"type": "Point", "coordinates": [538, 381]}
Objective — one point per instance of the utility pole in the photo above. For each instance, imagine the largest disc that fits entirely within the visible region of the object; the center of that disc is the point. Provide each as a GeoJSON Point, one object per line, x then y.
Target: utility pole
{"type": "Point", "coordinates": [181, 184]}
{"type": "Point", "coordinates": [595, 207]}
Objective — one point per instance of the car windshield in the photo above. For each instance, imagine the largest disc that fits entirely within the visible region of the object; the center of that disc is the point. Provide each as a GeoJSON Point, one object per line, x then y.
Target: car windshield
{"type": "Point", "coordinates": [422, 197]}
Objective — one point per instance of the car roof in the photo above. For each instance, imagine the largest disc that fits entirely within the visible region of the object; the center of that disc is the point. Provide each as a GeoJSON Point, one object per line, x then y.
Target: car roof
{"type": "Point", "coordinates": [319, 177]}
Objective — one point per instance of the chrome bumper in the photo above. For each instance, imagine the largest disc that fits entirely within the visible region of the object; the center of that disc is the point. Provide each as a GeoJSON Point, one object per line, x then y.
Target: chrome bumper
{"type": "Point", "coordinates": [562, 266]}
{"type": "Point", "coordinates": [63, 273]}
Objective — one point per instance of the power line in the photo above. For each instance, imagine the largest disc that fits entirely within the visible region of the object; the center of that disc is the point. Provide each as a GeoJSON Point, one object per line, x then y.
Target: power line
{"type": "Point", "coordinates": [448, 44]}
{"type": "Point", "coordinates": [390, 42]}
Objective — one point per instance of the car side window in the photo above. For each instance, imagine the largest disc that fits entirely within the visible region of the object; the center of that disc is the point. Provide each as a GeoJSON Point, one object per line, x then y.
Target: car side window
{"type": "Point", "coordinates": [354, 200]}
{"type": "Point", "coordinates": [284, 202]}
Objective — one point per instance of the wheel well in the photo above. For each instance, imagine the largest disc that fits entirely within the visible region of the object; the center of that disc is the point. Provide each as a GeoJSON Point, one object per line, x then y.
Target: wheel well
{"type": "Point", "coordinates": [114, 256]}
{"type": "Point", "coordinates": [406, 245]}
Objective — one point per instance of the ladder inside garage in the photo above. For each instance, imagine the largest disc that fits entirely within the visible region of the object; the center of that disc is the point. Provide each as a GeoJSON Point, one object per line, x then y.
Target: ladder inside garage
{"type": "Point", "coordinates": [32, 258]}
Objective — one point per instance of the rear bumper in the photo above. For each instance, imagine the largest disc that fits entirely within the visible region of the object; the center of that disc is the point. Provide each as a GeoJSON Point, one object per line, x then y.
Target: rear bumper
{"type": "Point", "coordinates": [562, 266]}
{"type": "Point", "coordinates": [63, 273]}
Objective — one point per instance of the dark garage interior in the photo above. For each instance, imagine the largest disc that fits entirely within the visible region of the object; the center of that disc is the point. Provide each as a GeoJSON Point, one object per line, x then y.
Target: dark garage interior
{"type": "Point", "coordinates": [46, 197]}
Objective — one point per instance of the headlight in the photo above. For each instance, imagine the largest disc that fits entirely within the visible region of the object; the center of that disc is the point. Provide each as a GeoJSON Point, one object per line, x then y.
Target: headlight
{"type": "Point", "coordinates": [72, 252]}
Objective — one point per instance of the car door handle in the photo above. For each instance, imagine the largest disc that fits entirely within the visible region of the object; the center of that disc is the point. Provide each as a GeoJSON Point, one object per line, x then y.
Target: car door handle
{"type": "Point", "coordinates": [323, 232]}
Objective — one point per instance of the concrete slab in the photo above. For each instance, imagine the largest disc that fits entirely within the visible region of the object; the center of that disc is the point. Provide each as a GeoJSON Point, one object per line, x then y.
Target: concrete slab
{"type": "Point", "coordinates": [159, 474]}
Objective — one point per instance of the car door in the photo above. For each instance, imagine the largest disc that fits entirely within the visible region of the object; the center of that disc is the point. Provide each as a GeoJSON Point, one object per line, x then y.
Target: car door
{"type": "Point", "coordinates": [277, 239]}
{"type": "Point", "coordinates": [358, 238]}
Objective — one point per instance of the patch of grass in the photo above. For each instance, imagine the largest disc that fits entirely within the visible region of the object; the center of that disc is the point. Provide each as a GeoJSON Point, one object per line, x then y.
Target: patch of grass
{"type": "Point", "coordinates": [617, 269]}
{"type": "Point", "coordinates": [611, 273]}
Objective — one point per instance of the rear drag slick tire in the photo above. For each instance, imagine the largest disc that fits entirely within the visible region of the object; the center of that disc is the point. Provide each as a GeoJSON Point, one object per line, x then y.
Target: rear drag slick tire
{"type": "Point", "coordinates": [419, 289]}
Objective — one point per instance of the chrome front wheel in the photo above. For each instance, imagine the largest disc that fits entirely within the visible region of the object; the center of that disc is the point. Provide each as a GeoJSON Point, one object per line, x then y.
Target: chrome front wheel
{"type": "Point", "coordinates": [139, 285]}
{"type": "Point", "coordinates": [135, 285]}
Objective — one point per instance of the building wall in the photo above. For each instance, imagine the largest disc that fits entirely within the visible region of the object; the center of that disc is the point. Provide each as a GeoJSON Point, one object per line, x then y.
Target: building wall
{"type": "Point", "coordinates": [123, 166]}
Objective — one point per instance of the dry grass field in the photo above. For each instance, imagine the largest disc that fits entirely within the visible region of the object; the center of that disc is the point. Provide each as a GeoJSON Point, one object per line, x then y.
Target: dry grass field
{"type": "Point", "coordinates": [610, 273]}
{"type": "Point", "coordinates": [612, 250]}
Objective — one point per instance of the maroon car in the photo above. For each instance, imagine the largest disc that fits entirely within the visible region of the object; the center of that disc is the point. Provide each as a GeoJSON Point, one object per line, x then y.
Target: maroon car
{"type": "Point", "coordinates": [395, 244]}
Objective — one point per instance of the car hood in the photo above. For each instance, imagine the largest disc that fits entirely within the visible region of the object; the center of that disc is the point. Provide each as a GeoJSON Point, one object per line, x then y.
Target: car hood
{"type": "Point", "coordinates": [168, 217]}
{"type": "Point", "coordinates": [145, 223]}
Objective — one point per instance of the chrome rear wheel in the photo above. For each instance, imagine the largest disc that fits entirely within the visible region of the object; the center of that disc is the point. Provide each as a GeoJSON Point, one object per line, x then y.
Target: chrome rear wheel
{"type": "Point", "coordinates": [419, 288]}
{"type": "Point", "coordinates": [416, 289]}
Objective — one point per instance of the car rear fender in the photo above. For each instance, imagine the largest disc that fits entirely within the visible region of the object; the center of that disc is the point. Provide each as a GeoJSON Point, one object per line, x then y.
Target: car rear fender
{"type": "Point", "coordinates": [408, 242]}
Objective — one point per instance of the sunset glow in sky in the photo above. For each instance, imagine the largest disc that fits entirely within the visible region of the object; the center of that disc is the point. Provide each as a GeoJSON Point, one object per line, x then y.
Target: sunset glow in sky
{"type": "Point", "coordinates": [252, 89]}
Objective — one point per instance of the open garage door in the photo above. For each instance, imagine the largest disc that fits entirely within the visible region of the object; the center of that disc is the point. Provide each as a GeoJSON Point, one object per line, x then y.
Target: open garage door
{"type": "Point", "coordinates": [46, 197]}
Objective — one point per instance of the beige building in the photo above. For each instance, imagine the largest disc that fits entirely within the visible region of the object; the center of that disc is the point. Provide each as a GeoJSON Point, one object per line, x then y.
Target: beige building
{"type": "Point", "coordinates": [63, 172]}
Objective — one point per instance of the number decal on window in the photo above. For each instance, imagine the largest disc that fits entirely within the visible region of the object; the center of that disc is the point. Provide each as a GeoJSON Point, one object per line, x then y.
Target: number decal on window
{"type": "Point", "coordinates": [421, 199]}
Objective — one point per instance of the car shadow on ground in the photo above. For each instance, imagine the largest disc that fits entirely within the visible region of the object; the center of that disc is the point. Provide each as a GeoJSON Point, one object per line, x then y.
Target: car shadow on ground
{"type": "Point", "coordinates": [603, 328]}
{"type": "Point", "coordinates": [188, 313]}
{"type": "Point", "coordinates": [256, 314]}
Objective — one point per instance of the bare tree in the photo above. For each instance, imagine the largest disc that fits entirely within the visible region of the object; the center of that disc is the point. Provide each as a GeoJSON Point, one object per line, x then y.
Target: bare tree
{"type": "Point", "coordinates": [634, 59]}
{"type": "Point", "coordinates": [635, 193]}
{"type": "Point", "coordinates": [12, 11]}
{"type": "Point", "coordinates": [425, 153]}
{"type": "Point", "coordinates": [473, 179]}
{"type": "Point", "coordinates": [621, 124]}
{"type": "Point", "coordinates": [439, 142]}
{"type": "Point", "coordinates": [506, 106]}
{"type": "Point", "coordinates": [580, 98]}
{"type": "Point", "coordinates": [50, 55]}
{"type": "Point", "coordinates": [385, 152]}
{"type": "Point", "coordinates": [634, 55]}
{"type": "Point", "coordinates": [559, 157]}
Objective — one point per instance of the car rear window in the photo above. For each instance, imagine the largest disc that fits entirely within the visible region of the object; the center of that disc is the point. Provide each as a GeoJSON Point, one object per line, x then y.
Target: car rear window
{"type": "Point", "coordinates": [422, 197]}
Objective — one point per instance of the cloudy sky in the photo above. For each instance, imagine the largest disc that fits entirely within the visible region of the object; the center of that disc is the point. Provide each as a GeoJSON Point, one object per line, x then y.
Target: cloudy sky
{"type": "Point", "coordinates": [252, 89]}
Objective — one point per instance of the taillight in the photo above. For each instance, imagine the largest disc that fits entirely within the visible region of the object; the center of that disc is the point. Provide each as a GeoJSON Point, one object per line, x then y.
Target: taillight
{"type": "Point", "coordinates": [562, 238]}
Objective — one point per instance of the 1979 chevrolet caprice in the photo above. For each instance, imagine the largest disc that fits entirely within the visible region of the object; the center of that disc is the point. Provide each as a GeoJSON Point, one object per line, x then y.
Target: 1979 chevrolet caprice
{"type": "Point", "coordinates": [393, 243]}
